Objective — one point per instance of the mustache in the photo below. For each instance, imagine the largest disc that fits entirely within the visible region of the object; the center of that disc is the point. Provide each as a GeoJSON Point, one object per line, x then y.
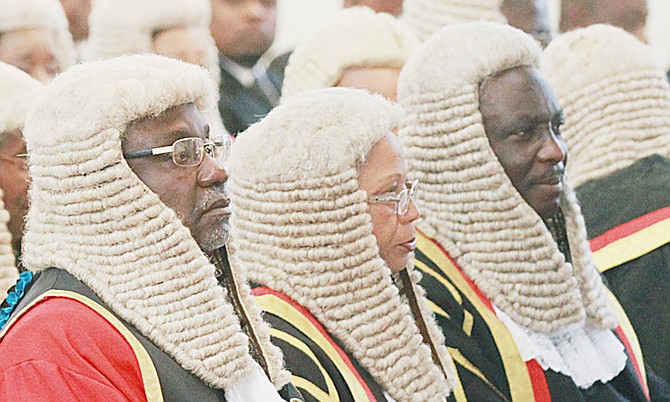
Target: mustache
{"type": "Point", "coordinates": [213, 195]}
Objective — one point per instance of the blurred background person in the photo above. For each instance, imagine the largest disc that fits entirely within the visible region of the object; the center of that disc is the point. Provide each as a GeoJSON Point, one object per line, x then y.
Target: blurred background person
{"type": "Point", "coordinates": [172, 28]}
{"type": "Point", "coordinates": [393, 7]}
{"type": "Point", "coordinates": [426, 17]}
{"type": "Point", "coordinates": [358, 48]}
{"type": "Point", "coordinates": [616, 103]}
{"type": "Point", "coordinates": [77, 12]}
{"type": "Point", "coordinates": [243, 31]}
{"type": "Point", "coordinates": [323, 223]}
{"type": "Point", "coordinates": [34, 37]}
{"type": "Point", "coordinates": [629, 15]}
{"type": "Point", "coordinates": [18, 91]}
{"type": "Point", "coordinates": [530, 16]}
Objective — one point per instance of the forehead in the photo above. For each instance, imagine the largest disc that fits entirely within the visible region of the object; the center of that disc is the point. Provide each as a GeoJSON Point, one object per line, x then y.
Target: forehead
{"type": "Point", "coordinates": [515, 96]}
{"type": "Point", "coordinates": [25, 38]}
{"type": "Point", "coordinates": [175, 123]}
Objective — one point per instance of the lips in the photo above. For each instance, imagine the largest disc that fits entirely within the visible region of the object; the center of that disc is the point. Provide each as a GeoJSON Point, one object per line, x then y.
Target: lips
{"type": "Point", "coordinates": [409, 245]}
{"type": "Point", "coordinates": [218, 204]}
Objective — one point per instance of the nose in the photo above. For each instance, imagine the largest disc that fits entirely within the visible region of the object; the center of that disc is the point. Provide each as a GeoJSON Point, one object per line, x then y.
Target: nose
{"type": "Point", "coordinates": [211, 172]}
{"type": "Point", "coordinates": [413, 212]}
{"type": "Point", "coordinates": [553, 149]}
{"type": "Point", "coordinates": [254, 10]}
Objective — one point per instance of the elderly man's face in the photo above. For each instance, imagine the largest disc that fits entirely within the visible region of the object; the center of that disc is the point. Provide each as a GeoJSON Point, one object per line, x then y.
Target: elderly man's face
{"type": "Point", "coordinates": [196, 193]}
{"type": "Point", "coordinates": [31, 50]}
{"type": "Point", "coordinates": [522, 118]}
{"type": "Point", "coordinates": [14, 182]}
{"type": "Point", "coordinates": [243, 28]}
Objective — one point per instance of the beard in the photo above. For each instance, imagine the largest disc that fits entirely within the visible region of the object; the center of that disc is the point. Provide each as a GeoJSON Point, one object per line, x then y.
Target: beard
{"type": "Point", "coordinates": [212, 232]}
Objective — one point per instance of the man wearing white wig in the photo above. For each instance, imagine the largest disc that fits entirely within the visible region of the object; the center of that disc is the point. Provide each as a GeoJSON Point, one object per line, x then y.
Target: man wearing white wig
{"type": "Point", "coordinates": [323, 223]}
{"type": "Point", "coordinates": [34, 37]}
{"type": "Point", "coordinates": [502, 244]}
{"type": "Point", "coordinates": [617, 128]}
{"type": "Point", "coordinates": [172, 28]}
{"type": "Point", "coordinates": [18, 91]}
{"type": "Point", "coordinates": [127, 195]}
{"type": "Point", "coordinates": [358, 48]}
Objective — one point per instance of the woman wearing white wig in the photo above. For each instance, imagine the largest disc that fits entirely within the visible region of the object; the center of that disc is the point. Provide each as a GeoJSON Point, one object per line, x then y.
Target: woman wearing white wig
{"type": "Point", "coordinates": [323, 223]}
{"type": "Point", "coordinates": [34, 37]}
{"type": "Point", "coordinates": [358, 49]}
{"type": "Point", "coordinates": [172, 28]}
{"type": "Point", "coordinates": [502, 243]}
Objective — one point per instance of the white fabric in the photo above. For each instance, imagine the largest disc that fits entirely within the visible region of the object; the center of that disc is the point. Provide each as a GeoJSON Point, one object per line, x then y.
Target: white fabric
{"type": "Point", "coordinates": [580, 351]}
{"type": "Point", "coordinates": [254, 388]}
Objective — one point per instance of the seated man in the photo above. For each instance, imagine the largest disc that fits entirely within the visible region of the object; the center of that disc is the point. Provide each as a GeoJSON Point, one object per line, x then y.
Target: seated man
{"type": "Point", "coordinates": [503, 245]}
{"type": "Point", "coordinates": [127, 196]}
{"type": "Point", "coordinates": [18, 90]}
{"type": "Point", "coordinates": [617, 128]}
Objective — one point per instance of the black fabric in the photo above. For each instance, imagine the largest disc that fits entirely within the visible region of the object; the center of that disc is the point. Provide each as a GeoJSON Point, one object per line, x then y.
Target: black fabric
{"type": "Point", "coordinates": [643, 284]}
{"type": "Point", "coordinates": [303, 366]}
{"type": "Point", "coordinates": [240, 106]}
{"type": "Point", "coordinates": [480, 350]}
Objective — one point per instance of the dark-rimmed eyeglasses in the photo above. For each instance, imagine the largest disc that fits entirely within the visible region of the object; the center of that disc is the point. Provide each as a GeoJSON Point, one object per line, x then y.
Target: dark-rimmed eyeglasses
{"type": "Point", "coordinates": [190, 151]}
{"type": "Point", "coordinates": [401, 199]}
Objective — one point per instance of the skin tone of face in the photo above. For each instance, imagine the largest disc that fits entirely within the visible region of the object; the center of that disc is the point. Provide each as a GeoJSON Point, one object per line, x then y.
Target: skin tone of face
{"type": "Point", "coordinates": [383, 172]}
{"type": "Point", "coordinates": [197, 194]}
{"type": "Point", "coordinates": [530, 16]}
{"type": "Point", "coordinates": [31, 50]}
{"type": "Point", "coordinates": [188, 44]}
{"type": "Point", "coordinates": [77, 12]}
{"type": "Point", "coordinates": [14, 183]}
{"type": "Point", "coordinates": [243, 28]}
{"type": "Point", "coordinates": [522, 118]}
{"type": "Point", "coordinates": [630, 15]}
{"type": "Point", "coordinates": [383, 81]}
{"type": "Point", "coordinates": [393, 7]}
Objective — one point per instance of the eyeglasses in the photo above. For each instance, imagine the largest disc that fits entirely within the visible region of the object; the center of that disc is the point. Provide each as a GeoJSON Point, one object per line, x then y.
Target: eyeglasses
{"type": "Point", "coordinates": [402, 199]}
{"type": "Point", "coordinates": [190, 151]}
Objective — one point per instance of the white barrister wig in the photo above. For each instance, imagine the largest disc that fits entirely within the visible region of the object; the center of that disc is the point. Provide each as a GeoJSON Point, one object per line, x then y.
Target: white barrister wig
{"type": "Point", "coordinates": [124, 27]}
{"type": "Point", "coordinates": [8, 272]}
{"type": "Point", "coordinates": [42, 14]}
{"type": "Point", "coordinates": [614, 97]}
{"type": "Point", "coordinates": [301, 225]}
{"type": "Point", "coordinates": [426, 17]}
{"type": "Point", "coordinates": [470, 206]}
{"type": "Point", "coordinates": [93, 217]}
{"type": "Point", "coordinates": [18, 90]}
{"type": "Point", "coordinates": [356, 37]}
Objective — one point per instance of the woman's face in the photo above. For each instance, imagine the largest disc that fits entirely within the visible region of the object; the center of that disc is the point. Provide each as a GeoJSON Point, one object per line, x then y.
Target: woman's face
{"type": "Point", "coordinates": [188, 44]}
{"type": "Point", "coordinates": [33, 51]}
{"type": "Point", "coordinates": [385, 172]}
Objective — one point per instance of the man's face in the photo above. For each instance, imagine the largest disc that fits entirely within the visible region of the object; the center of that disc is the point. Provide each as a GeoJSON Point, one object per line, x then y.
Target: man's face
{"type": "Point", "coordinates": [14, 182]}
{"type": "Point", "coordinates": [393, 7]}
{"type": "Point", "coordinates": [530, 16]}
{"type": "Point", "coordinates": [197, 194]}
{"type": "Point", "coordinates": [522, 118]}
{"type": "Point", "coordinates": [31, 50]}
{"type": "Point", "coordinates": [378, 80]}
{"type": "Point", "coordinates": [77, 12]}
{"type": "Point", "coordinates": [243, 28]}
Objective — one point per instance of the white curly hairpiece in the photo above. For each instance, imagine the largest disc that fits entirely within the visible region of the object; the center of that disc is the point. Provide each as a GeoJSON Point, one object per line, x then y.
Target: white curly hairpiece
{"type": "Point", "coordinates": [93, 217]}
{"type": "Point", "coordinates": [615, 99]}
{"type": "Point", "coordinates": [301, 226]}
{"type": "Point", "coordinates": [356, 37]}
{"type": "Point", "coordinates": [43, 14]}
{"type": "Point", "coordinates": [426, 17]}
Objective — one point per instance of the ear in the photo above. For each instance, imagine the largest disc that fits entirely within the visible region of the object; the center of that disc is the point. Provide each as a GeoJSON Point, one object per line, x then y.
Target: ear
{"type": "Point", "coordinates": [575, 14]}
